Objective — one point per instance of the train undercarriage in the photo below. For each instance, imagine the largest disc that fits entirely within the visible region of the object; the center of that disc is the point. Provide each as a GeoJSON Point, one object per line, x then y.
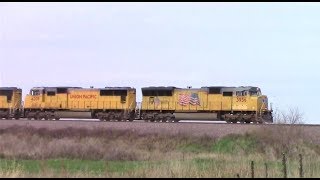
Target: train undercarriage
{"type": "Point", "coordinates": [114, 115]}
{"type": "Point", "coordinates": [155, 116]}
{"type": "Point", "coordinates": [41, 114]}
{"type": "Point", "coordinates": [52, 114]}
{"type": "Point", "coordinates": [147, 116]}
{"type": "Point", "coordinates": [235, 117]}
{"type": "Point", "coordinates": [10, 114]}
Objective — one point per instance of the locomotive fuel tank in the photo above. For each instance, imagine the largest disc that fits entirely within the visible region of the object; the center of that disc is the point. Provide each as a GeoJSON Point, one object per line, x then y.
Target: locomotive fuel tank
{"type": "Point", "coordinates": [196, 116]}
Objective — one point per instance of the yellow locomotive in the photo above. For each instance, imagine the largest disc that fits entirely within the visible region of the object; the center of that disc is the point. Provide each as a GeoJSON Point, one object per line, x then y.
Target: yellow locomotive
{"type": "Point", "coordinates": [232, 104]}
{"type": "Point", "coordinates": [10, 102]}
{"type": "Point", "coordinates": [110, 103]}
{"type": "Point", "coordinates": [243, 104]}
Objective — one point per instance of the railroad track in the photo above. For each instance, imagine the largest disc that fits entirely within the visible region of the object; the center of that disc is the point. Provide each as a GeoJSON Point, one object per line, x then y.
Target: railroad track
{"type": "Point", "coordinates": [211, 129]}
{"type": "Point", "coordinates": [181, 122]}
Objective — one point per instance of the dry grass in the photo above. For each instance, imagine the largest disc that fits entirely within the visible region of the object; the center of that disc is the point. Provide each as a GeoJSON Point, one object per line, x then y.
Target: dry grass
{"type": "Point", "coordinates": [289, 139]}
{"type": "Point", "coordinates": [158, 155]}
{"type": "Point", "coordinates": [30, 143]}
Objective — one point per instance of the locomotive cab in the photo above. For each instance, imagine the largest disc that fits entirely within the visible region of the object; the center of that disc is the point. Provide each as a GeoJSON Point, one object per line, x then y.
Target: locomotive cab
{"type": "Point", "coordinates": [248, 104]}
{"type": "Point", "coordinates": [35, 98]}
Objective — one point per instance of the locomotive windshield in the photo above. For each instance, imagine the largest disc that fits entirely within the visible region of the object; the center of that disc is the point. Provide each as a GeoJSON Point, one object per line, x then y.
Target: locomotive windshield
{"type": "Point", "coordinates": [255, 93]}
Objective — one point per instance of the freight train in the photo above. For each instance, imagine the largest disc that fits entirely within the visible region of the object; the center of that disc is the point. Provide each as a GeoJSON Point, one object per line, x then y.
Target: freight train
{"type": "Point", "coordinates": [244, 104]}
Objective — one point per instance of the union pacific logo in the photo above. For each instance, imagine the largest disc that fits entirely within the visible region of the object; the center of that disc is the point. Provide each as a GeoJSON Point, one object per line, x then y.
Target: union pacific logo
{"type": "Point", "coordinates": [83, 96]}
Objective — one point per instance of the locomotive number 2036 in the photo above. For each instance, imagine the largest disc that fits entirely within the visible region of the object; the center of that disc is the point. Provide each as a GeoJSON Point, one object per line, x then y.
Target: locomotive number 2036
{"type": "Point", "coordinates": [241, 99]}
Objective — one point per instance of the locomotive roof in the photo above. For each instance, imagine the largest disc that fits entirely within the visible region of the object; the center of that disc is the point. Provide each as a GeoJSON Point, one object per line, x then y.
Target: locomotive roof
{"type": "Point", "coordinates": [222, 88]}
{"type": "Point", "coordinates": [9, 88]}
{"type": "Point", "coordinates": [215, 87]}
{"type": "Point", "coordinates": [66, 87]}
{"type": "Point", "coordinates": [226, 88]}
{"type": "Point", "coordinates": [108, 88]}
{"type": "Point", "coordinates": [117, 88]}
{"type": "Point", "coordinates": [69, 87]}
{"type": "Point", "coordinates": [250, 88]}
{"type": "Point", "coordinates": [159, 88]}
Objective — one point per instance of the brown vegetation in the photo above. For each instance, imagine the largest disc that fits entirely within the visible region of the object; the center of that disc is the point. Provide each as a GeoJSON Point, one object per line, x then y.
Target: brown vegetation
{"type": "Point", "coordinates": [96, 144]}
{"type": "Point", "coordinates": [163, 154]}
{"type": "Point", "coordinates": [290, 139]}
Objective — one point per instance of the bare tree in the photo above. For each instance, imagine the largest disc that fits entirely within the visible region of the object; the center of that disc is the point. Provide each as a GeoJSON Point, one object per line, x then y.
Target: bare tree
{"type": "Point", "coordinates": [292, 116]}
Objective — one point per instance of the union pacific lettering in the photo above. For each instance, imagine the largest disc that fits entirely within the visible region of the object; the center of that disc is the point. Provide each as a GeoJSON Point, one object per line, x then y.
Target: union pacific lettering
{"type": "Point", "coordinates": [77, 96]}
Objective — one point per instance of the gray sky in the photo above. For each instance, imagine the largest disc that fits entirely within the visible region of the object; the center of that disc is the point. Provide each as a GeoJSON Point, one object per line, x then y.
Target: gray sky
{"type": "Point", "coordinates": [274, 46]}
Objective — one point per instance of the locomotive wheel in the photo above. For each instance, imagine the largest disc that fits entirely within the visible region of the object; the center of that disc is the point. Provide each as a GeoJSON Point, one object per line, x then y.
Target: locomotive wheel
{"type": "Point", "coordinates": [100, 117]}
{"type": "Point", "coordinates": [36, 117]}
{"type": "Point", "coordinates": [16, 117]}
{"type": "Point", "coordinates": [111, 117]}
{"type": "Point", "coordinates": [106, 118]}
{"type": "Point", "coordinates": [8, 117]}
{"type": "Point", "coordinates": [167, 119]}
{"type": "Point", "coordinates": [50, 117]}
{"type": "Point", "coordinates": [46, 116]}
{"type": "Point", "coordinates": [131, 119]}
{"type": "Point", "coordinates": [158, 119]}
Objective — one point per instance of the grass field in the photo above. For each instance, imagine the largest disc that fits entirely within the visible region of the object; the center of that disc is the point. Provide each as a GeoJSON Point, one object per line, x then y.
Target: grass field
{"type": "Point", "coordinates": [31, 152]}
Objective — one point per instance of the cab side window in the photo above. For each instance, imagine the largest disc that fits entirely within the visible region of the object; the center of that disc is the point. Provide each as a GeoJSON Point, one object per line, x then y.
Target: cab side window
{"type": "Point", "coordinates": [241, 93]}
{"type": "Point", "coordinates": [35, 92]}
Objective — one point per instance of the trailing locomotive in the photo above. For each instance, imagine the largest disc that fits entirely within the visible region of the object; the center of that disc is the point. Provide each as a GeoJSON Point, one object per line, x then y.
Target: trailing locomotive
{"type": "Point", "coordinates": [75, 102]}
{"type": "Point", "coordinates": [159, 104]}
{"type": "Point", "coordinates": [10, 102]}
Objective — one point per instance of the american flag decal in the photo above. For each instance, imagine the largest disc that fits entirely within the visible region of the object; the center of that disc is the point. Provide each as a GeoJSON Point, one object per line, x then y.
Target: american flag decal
{"type": "Point", "coordinates": [185, 99]}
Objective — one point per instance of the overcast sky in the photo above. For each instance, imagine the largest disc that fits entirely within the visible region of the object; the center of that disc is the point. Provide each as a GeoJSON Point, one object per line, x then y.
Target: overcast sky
{"type": "Point", "coordinates": [274, 46]}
